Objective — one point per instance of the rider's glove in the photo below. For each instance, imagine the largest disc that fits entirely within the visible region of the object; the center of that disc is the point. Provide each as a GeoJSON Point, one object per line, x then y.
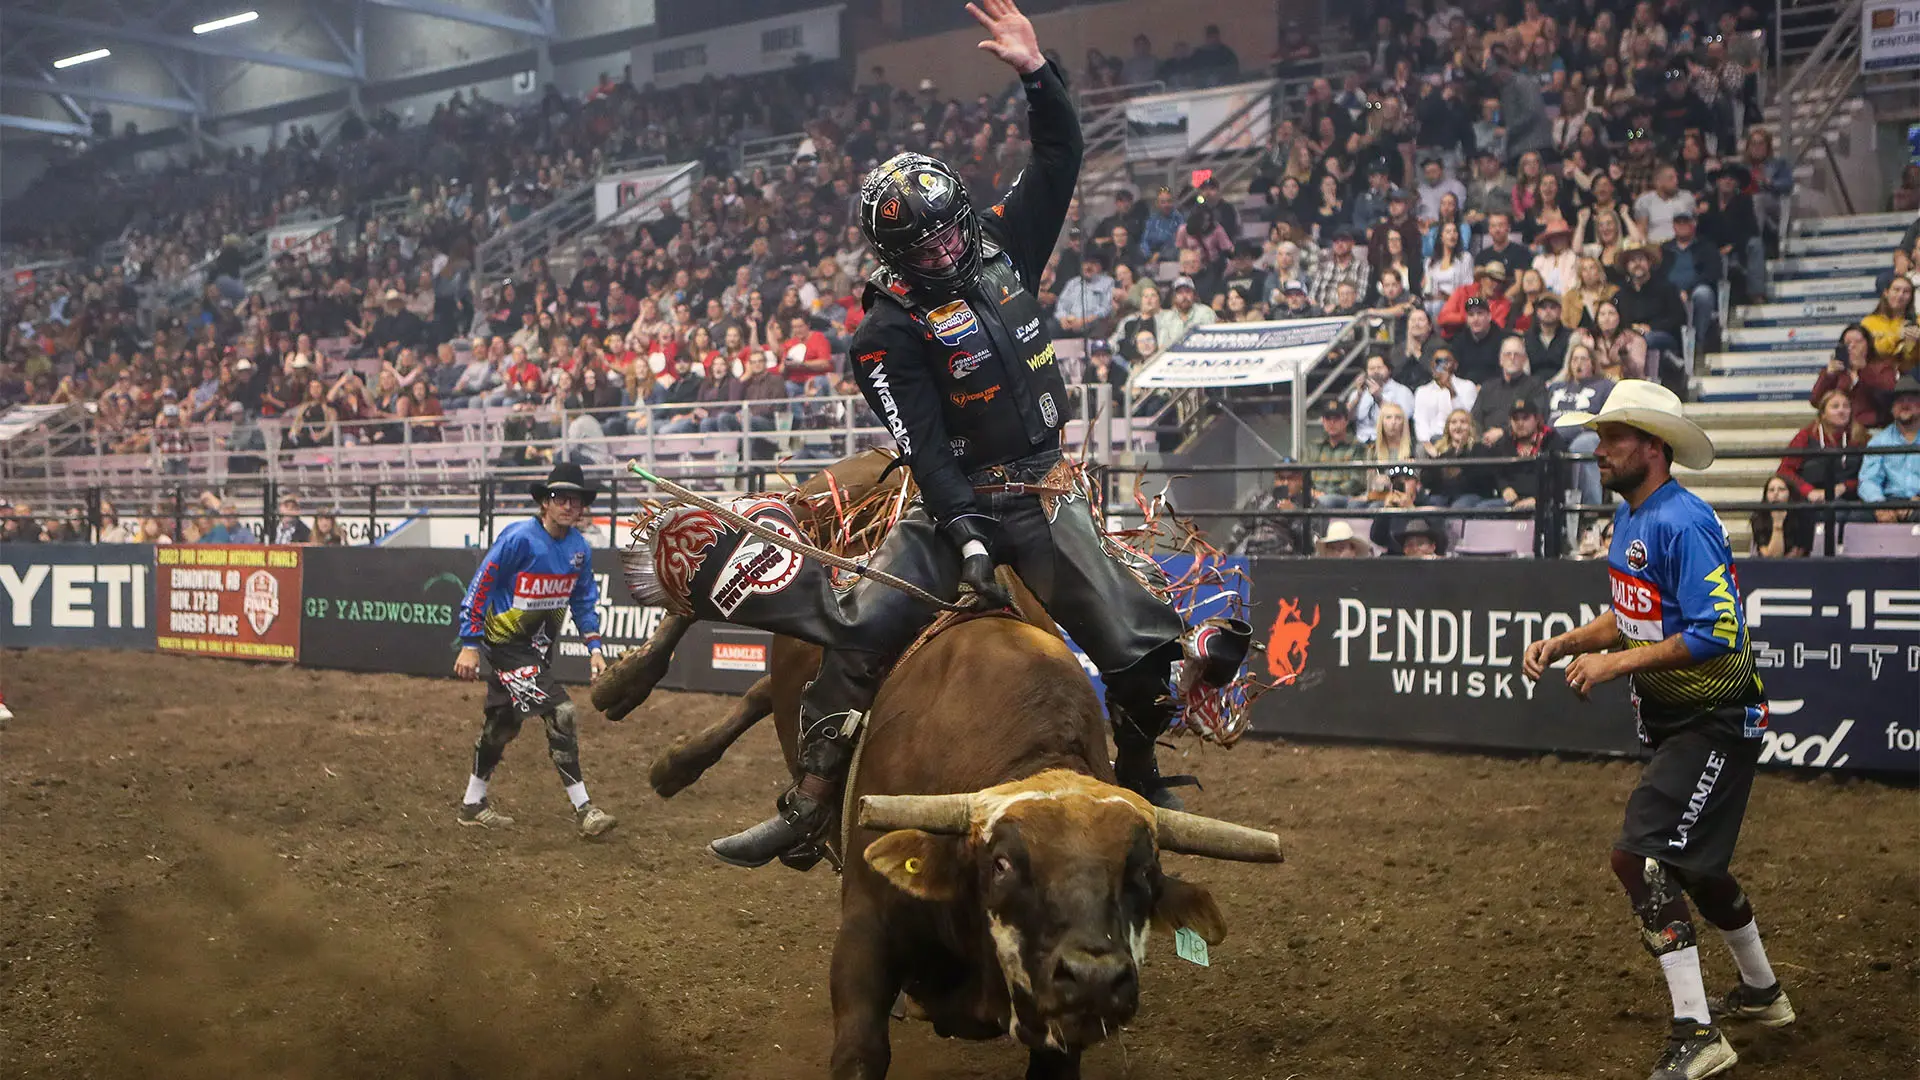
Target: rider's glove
{"type": "Point", "coordinates": [976, 565]}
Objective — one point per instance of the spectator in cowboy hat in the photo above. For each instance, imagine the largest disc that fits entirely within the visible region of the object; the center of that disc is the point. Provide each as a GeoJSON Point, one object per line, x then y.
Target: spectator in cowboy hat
{"type": "Point", "coordinates": [1337, 488]}
{"type": "Point", "coordinates": [1340, 543]}
{"type": "Point", "coordinates": [1885, 477]}
{"type": "Point", "coordinates": [1648, 303]}
{"type": "Point", "coordinates": [1558, 262]}
{"type": "Point", "coordinates": [1732, 224]}
{"type": "Point", "coordinates": [395, 326]}
{"type": "Point", "coordinates": [1490, 287]}
{"type": "Point", "coordinates": [1420, 540]}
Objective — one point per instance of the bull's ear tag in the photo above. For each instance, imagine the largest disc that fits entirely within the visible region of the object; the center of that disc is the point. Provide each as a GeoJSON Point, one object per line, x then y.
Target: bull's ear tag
{"type": "Point", "coordinates": [1190, 947]}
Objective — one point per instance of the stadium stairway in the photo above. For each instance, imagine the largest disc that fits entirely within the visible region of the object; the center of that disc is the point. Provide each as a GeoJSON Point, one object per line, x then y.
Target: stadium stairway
{"type": "Point", "coordinates": [1753, 395]}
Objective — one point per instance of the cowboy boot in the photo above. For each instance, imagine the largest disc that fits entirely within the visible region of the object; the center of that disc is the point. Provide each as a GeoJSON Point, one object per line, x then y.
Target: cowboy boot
{"type": "Point", "coordinates": [806, 808]}
{"type": "Point", "coordinates": [1135, 727]}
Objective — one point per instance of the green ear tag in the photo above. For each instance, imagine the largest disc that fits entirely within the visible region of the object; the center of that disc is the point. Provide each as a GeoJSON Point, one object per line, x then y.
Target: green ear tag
{"type": "Point", "coordinates": [1190, 947]}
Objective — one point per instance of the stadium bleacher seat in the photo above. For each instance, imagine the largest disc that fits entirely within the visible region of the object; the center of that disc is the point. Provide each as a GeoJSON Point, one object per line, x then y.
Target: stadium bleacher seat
{"type": "Point", "coordinates": [1877, 540]}
{"type": "Point", "coordinates": [1495, 537]}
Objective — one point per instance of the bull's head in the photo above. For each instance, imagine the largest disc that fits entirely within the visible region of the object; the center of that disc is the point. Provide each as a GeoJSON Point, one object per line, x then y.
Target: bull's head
{"type": "Point", "coordinates": [1067, 869]}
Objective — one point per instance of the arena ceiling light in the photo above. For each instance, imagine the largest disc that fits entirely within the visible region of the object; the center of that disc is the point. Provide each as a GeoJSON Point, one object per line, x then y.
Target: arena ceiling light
{"type": "Point", "coordinates": [222, 24]}
{"type": "Point", "coordinates": [82, 58]}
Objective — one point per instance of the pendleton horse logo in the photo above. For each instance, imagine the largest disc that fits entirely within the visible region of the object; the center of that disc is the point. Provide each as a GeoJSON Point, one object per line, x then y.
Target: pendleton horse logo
{"type": "Point", "coordinates": [1289, 640]}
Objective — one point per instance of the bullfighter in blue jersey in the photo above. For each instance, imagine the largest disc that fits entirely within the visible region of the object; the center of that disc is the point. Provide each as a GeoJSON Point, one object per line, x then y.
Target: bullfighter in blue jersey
{"type": "Point", "coordinates": [1677, 630]}
{"type": "Point", "coordinates": [536, 572]}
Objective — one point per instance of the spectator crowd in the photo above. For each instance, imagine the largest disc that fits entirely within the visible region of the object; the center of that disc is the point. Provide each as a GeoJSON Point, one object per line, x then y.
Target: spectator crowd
{"type": "Point", "coordinates": [1527, 203]}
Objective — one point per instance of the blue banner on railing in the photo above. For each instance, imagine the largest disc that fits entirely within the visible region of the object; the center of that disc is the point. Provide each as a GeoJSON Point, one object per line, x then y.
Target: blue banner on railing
{"type": "Point", "coordinates": [1224, 592]}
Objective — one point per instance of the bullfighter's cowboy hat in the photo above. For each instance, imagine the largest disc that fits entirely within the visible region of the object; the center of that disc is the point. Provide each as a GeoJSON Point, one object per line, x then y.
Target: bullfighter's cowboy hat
{"type": "Point", "coordinates": [566, 477]}
{"type": "Point", "coordinates": [1656, 410]}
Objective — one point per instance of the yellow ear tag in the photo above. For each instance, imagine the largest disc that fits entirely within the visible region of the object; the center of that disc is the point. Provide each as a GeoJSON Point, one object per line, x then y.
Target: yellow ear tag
{"type": "Point", "coordinates": [912, 866]}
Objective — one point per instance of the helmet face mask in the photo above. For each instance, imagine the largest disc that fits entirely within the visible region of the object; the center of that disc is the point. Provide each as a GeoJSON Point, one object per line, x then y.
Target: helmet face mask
{"type": "Point", "coordinates": [915, 212]}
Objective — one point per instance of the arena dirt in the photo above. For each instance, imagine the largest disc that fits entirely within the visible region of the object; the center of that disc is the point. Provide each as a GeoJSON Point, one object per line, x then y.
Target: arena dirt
{"type": "Point", "coordinates": [211, 869]}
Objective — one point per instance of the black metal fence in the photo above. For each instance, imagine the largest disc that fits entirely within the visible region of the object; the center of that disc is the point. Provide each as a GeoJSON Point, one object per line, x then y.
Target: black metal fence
{"type": "Point", "coordinates": [1552, 510]}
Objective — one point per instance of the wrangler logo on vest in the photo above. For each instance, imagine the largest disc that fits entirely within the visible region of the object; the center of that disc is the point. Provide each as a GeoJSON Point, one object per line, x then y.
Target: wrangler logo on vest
{"type": "Point", "coordinates": [1041, 359]}
{"type": "Point", "coordinates": [951, 322]}
{"type": "Point", "coordinates": [891, 409]}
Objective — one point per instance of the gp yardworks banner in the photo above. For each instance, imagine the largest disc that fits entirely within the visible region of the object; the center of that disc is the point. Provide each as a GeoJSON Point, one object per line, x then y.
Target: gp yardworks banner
{"type": "Point", "coordinates": [394, 609]}
{"type": "Point", "coordinates": [1242, 354]}
{"type": "Point", "coordinates": [1889, 35]}
{"type": "Point", "coordinates": [384, 610]}
{"type": "Point", "coordinates": [1430, 652]}
{"type": "Point", "coordinates": [240, 601]}
{"type": "Point", "coordinates": [97, 596]}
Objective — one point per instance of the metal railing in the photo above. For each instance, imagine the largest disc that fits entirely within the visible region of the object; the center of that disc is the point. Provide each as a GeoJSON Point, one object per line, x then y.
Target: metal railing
{"type": "Point", "coordinates": [572, 214]}
{"type": "Point", "coordinates": [1233, 166]}
{"type": "Point", "coordinates": [1554, 512]}
{"type": "Point", "coordinates": [369, 508]}
{"type": "Point", "coordinates": [456, 447]}
{"type": "Point", "coordinates": [1824, 79]}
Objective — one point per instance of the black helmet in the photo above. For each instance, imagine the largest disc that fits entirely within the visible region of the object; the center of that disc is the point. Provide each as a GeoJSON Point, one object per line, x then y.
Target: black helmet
{"type": "Point", "coordinates": [915, 213]}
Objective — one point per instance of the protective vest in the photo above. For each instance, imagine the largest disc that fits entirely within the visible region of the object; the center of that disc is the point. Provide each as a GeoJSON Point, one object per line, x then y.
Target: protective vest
{"type": "Point", "coordinates": [1002, 395]}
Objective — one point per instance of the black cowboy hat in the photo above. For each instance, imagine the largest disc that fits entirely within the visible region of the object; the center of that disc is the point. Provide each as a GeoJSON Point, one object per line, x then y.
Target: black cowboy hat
{"type": "Point", "coordinates": [565, 477]}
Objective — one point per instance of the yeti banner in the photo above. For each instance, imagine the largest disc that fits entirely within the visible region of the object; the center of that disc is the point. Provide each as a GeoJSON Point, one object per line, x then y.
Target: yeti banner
{"type": "Point", "coordinates": [1429, 652]}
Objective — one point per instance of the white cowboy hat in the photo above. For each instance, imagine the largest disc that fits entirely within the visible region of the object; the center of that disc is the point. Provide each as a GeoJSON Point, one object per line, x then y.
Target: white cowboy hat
{"type": "Point", "coordinates": [1654, 409]}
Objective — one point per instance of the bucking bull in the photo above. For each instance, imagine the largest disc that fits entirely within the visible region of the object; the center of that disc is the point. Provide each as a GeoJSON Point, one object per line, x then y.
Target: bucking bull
{"type": "Point", "coordinates": [1004, 883]}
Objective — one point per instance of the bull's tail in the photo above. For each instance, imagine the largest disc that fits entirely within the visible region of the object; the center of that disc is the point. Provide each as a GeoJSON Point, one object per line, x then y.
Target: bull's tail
{"type": "Point", "coordinates": [628, 681]}
{"type": "Point", "coordinates": [691, 755]}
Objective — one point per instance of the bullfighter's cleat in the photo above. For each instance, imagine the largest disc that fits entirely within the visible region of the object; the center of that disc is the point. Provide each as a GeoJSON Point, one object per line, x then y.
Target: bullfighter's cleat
{"type": "Point", "coordinates": [1769, 1007]}
{"type": "Point", "coordinates": [594, 821]}
{"type": "Point", "coordinates": [483, 815]}
{"type": "Point", "coordinates": [1694, 1051]}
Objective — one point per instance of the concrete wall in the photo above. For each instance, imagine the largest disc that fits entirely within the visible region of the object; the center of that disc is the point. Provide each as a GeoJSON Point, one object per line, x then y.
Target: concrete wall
{"type": "Point", "coordinates": [21, 163]}
{"type": "Point", "coordinates": [959, 69]}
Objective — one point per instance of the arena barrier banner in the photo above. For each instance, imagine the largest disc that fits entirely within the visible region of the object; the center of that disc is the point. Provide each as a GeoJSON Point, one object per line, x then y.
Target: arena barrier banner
{"type": "Point", "coordinates": [1424, 652]}
{"type": "Point", "coordinates": [383, 610]}
{"type": "Point", "coordinates": [394, 610]}
{"type": "Point", "coordinates": [239, 601]}
{"type": "Point", "coordinates": [713, 657]}
{"type": "Point", "coordinates": [1838, 645]}
{"type": "Point", "coordinates": [1429, 652]}
{"type": "Point", "coordinates": [94, 596]}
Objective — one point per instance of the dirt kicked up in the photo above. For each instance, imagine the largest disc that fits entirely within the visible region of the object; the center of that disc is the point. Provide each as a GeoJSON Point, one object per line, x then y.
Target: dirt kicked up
{"type": "Point", "coordinates": [218, 869]}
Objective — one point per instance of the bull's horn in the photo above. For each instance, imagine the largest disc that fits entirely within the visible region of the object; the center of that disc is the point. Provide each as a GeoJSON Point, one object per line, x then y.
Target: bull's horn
{"type": "Point", "coordinates": [1211, 838]}
{"type": "Point", "coordinates": [946, 814]}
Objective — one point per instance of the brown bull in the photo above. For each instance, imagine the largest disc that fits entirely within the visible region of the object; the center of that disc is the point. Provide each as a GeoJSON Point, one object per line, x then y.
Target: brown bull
{"type": "Point", "coordinates": [1004, 882]}
{"type": "Point", "coordinates": [998, 875]}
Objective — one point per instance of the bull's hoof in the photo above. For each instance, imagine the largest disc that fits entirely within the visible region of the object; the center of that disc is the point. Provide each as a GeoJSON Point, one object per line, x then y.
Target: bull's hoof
{"type": "Point", "coordinates": [629, 680]}
{"type": "Point", "coordinates": [678, 768]}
